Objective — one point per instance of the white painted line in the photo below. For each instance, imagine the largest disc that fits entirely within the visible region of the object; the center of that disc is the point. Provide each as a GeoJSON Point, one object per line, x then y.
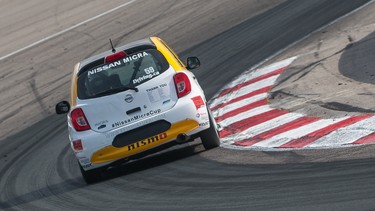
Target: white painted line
{"type": "Point", "coordinates": [273, 123]}
{"type": "Point", "coordinates": [263, 127]}
{"type": "Point", "coordinates": [66, 30]}
{"type": "Point", "coordinates": [251, 74]}
{"type": "Point", "coordinates": [287, 136]}
{"type": "Point", "coordinates": [246, 114]}
{"type": "Point", "coordinates": [346, 135]}
{"type": "Point", "coordinates": [239, 104]}
{"type": "Point", "coordinates": [245, 90]}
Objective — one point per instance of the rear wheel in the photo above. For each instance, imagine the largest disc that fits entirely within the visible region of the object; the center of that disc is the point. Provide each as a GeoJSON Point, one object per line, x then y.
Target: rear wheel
{"type": "Point", "coordinates": [91, 176]}
{"type": "Point", "coordinates": [210, 137]}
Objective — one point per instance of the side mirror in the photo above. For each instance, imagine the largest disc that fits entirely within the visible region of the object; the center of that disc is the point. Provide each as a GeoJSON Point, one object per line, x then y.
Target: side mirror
{"type": "Point", "coordinates": [192, 63]}
{"type": "Point", "coordinates": [62, 107]}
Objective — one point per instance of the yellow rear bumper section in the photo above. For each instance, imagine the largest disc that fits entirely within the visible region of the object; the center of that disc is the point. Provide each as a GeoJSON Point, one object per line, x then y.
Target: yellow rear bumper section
{"type": "Point", "coordinates": [111, 153]}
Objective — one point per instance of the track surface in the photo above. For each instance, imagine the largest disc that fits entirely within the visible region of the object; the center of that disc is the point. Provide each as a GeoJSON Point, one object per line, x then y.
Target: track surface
{"type": "Point", "coordinates": [38, 170]}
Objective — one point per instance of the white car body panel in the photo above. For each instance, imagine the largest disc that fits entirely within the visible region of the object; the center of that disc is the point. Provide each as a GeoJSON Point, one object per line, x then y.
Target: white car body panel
{"type": "Point", "coordinates": [112, 109]}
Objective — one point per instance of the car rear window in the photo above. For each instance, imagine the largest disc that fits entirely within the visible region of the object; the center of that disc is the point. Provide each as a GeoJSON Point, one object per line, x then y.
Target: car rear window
{"type": "Point", "coordinates": [129, 71]}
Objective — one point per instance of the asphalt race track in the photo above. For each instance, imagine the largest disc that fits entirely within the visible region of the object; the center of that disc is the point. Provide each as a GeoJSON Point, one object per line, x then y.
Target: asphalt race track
{"type": "Point", "coordinates": [38, 170]}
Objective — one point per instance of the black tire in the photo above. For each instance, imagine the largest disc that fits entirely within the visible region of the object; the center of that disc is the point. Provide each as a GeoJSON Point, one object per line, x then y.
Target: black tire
{"type": "Point", "coordinates": [210, 137]}
{"type": "Point", "coordinates": [91, 176]}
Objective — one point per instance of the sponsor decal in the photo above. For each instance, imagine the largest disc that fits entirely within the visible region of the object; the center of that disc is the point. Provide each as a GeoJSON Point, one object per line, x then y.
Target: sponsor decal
{"type": "Point", "coordinates": [84, 161]}
{"type": "Point", "coordinates": [103, 122]}
{"type": "Point", "coordinates": [202, 114]}
{"type": "Point", "coordinates": [135, 125]}
{"type": "Point", "coordinates": [198, 102]}
{"type": "Point", "coordinates": [135, 118]}
{"type": "Point", "coordinates": [117, 63]}
{"type": "Point", "coordinates": [158, 93]}
{"type": "Point", "coordinates": [147, 141]}
{"type": "Point", "coordinates": [102, 126]}
{"type": "Point", "coordinates": [153, 88]}
{"type": "Point", "coordinates": [203, 124]}
{"type": "Point", "coordinates": [145, 77]}
{"type": "Point", "coordinates": [86, 165]}
{"type": "Point", "coordinates": [77, 145]}
{"type": "Point", "coordinates": [166, 101]}
{"type": "Point", "coordinates": [134, 57]}
{"type": "Point", "coordinates": [129, 98]}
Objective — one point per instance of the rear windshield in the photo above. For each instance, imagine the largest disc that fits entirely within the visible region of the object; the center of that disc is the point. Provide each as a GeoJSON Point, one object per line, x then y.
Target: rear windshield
{"type": "Point", "coordinates": [120, 75]}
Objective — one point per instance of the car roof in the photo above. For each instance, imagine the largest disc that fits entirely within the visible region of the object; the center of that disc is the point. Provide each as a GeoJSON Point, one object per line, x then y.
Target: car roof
{"type": "Point", "coordinates": [138, 43]}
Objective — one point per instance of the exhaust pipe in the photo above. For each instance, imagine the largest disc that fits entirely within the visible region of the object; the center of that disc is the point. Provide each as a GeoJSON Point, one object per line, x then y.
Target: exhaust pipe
{"type": "Point", "coordinates": [182, 138]}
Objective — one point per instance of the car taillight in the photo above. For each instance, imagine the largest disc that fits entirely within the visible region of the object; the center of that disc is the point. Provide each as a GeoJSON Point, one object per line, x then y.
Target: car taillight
{"type": "Point", "coordinates": [182, 83]}
{"type": "Point", "coordinates": [79, 120]}
{"type": "Point", "coordinates": [114, 57]}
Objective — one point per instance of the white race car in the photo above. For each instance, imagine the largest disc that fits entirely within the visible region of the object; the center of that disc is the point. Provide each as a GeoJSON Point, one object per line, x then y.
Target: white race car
{"type": "Point", "coordinates": [132, 102]}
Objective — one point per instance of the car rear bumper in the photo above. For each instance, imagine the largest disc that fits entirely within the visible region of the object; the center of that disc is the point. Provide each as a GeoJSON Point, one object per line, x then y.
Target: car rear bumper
{"type": "Point", "coordinates": [98, 149]}
{"type": "Point", "coordinates": [111, 153]}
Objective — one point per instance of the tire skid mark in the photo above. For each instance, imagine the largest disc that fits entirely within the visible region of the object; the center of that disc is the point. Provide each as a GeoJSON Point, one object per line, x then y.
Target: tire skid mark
{"type": "Point", "coordinates": [24, 148]}
{"type": "Point", "coordinates": [21, 158]}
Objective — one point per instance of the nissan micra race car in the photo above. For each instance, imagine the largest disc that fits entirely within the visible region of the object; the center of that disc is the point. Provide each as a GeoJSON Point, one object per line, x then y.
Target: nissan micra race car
{"type": "Point", "coordinates": [133, 101]}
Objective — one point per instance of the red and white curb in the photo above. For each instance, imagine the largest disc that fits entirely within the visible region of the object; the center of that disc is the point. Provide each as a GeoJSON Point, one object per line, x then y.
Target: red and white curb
{"type": "Point", "coordinates": [247, 121]}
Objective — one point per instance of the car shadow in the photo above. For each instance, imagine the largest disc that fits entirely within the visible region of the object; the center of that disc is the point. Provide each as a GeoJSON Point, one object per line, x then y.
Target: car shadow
{"type": "Point", "coordinates": [176, 153]}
